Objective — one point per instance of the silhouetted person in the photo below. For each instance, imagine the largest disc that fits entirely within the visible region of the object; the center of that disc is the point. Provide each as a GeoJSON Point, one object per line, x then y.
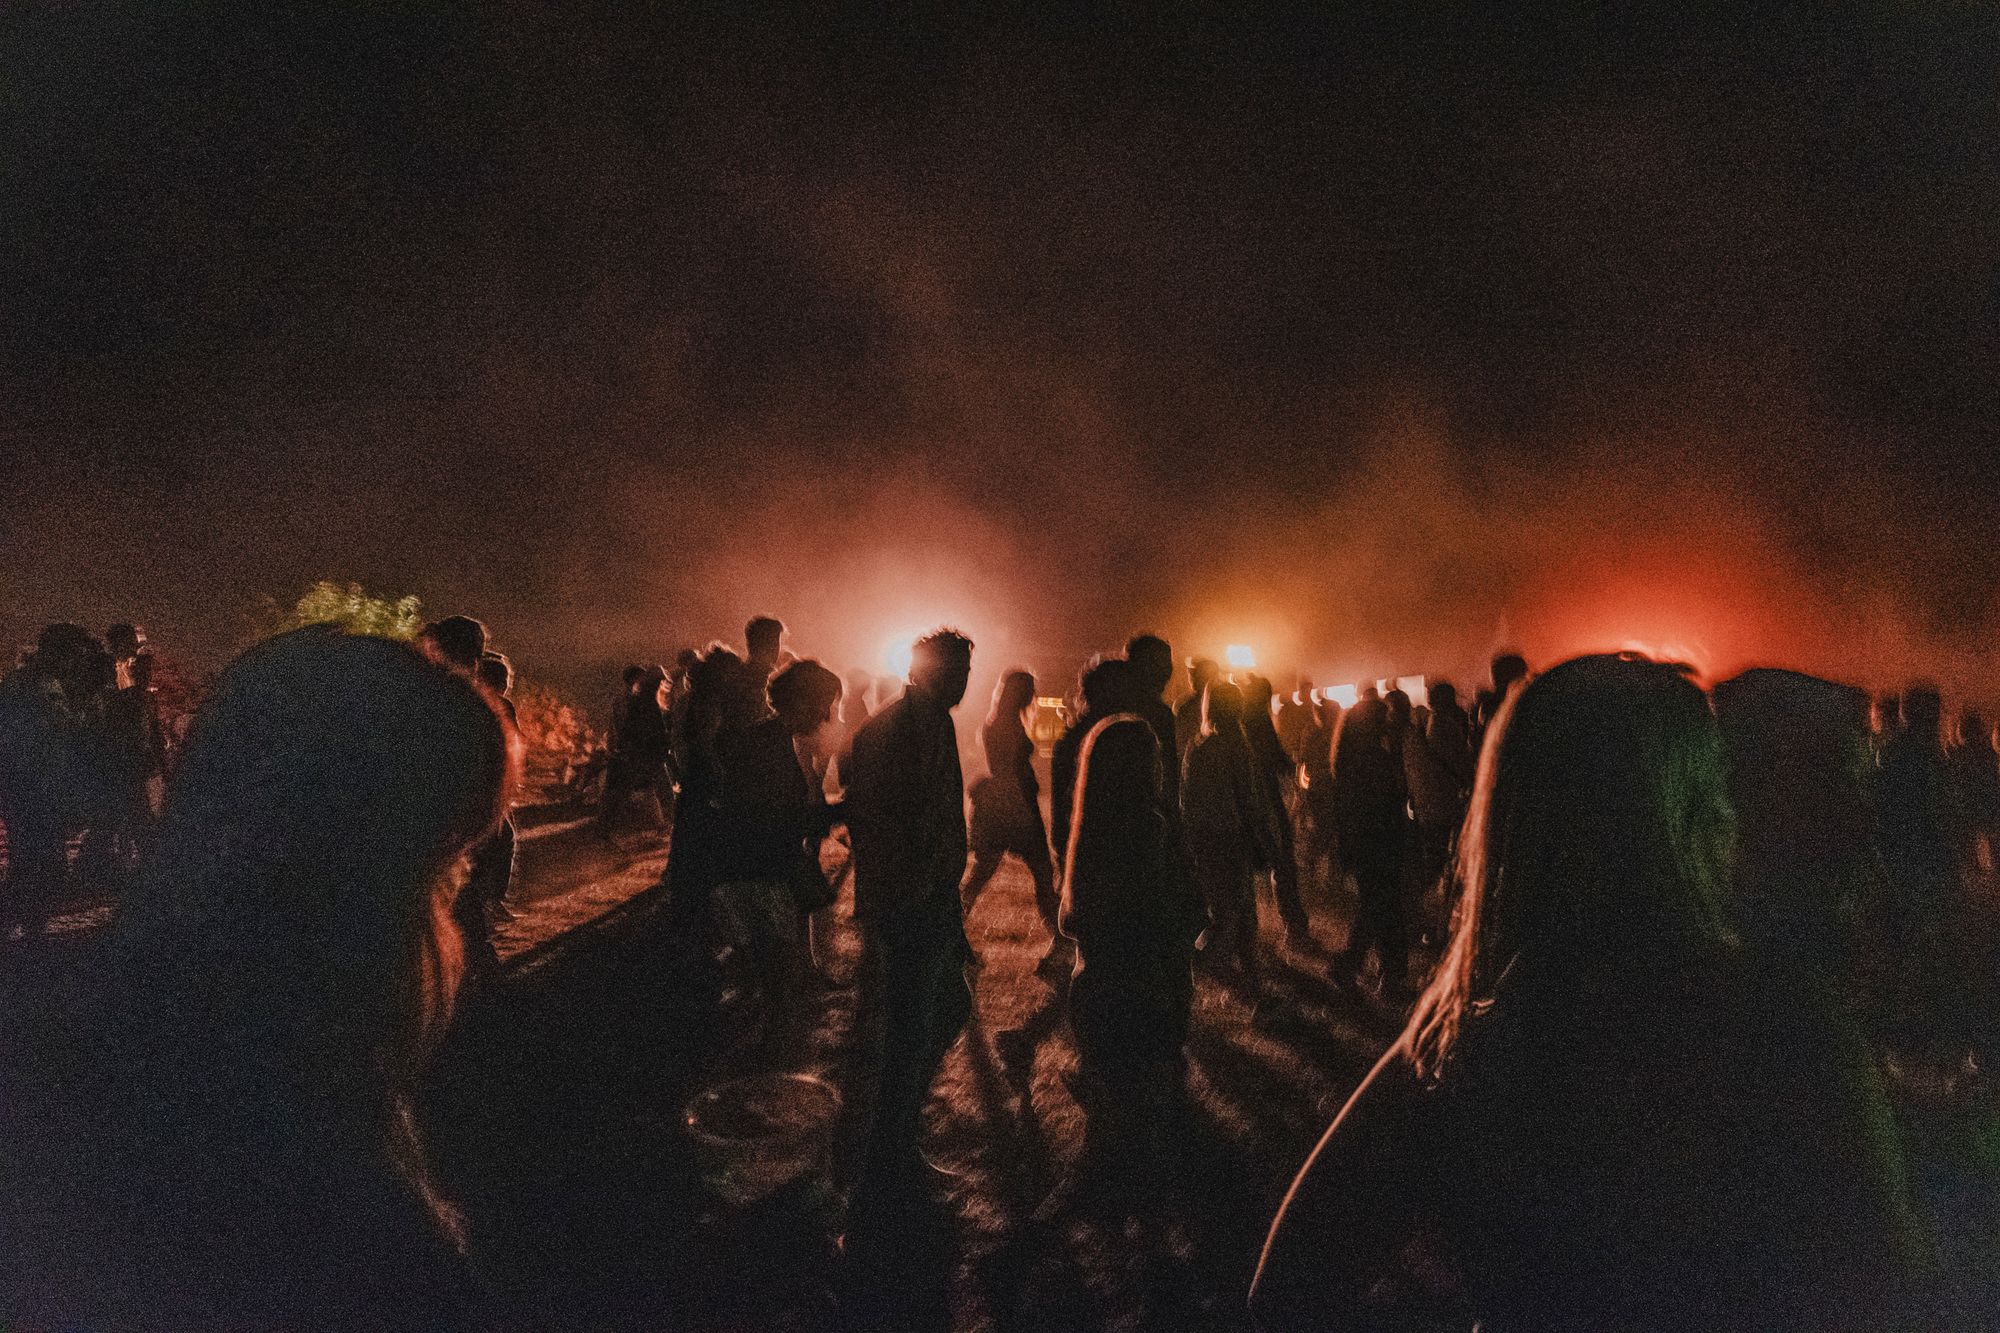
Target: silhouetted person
{"type": "Point", "coordinates": [1007, 802]}
{"type": "Point", "coordinates": [1436, 773]}
{"type": "Point", "coordinates": [764, 644]}
{"type": "Point", "coordinates": [1975, 775]}
{"type": "Point", "coordinates": [1917, 833]}
{"type": "Point", "coordinates": [483, 902]}
{"type": "Point", "coordinates": [456, 641]}
{"type": "Point", "coordinates": [1450, 735]}
{"type": "Point", "coordinates": [1226, 818]}
{"type": "Point", "coordinates": [1804, 865]}
{"type": "Point", "coordinates": [764, 653]}
{"type": "Point", "coordinates": [639, 748]}
{"type": "Point", "coordinates": [1373, 828]}
{"type": "Point", "coordinates": [1105, 687]}
{"type": "Point", "coordinates": [1295, 721]}
{"type": "Point", "coordinates": [772, 817]}
{"type": "Point", "coordinates": [1887, 717]}
{"type": "Point", "coordinates": [52, 768]}
{"type": "Point", "coordinates": [1322, 838]}
{"type": "Point", "coordinates": [1599, 1115]}
{"type": "Point", "coordinates": [1152, 660]}
{"type": "Point", "coordinates": [1187, 713]}
{"type": "Point", "coordinates": [716, 706]}
{"type": "Point", "coordinates": [133, 751]}
{"type": "Point", "coordinates": [1131, 907]}
{"type": "Point", "coordinates": [1278, 781]}
{"type": "Point", "coordinates": [1508, 670]}
{"type": "Point", "coordinates": [285, 967]}
{"type": "Point", "coordinates": [906, 816]}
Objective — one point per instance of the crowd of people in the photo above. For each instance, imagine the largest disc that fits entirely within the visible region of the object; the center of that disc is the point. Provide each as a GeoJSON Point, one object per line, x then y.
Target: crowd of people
{"type": "Point", "coordinates": [1698, 982]}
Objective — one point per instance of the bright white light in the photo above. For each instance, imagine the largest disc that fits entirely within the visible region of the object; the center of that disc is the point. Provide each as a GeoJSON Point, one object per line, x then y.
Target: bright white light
{"type": "Point", "coordinates": [1344, 695]}
{"type": "Point", "coordinates": [1240, 655]}
{"type": "Point", "coordinates": [1417, 688]}
{"type": "Point", "coordinates": [896, 653]}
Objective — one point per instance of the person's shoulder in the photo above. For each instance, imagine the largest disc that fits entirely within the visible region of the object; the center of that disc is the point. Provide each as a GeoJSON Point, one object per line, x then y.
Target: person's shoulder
{"type": "Point", "coordinates": [883, 723]}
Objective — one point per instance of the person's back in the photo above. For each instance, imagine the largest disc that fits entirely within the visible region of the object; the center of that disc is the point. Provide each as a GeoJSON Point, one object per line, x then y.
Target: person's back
{"type": "Point", "coordinates": [246, 1154]}
{"type": "Point", "coordinates": [1716, 1162]}
{"type": "Point", "coordinates": [1602, 1113]}
{"type": "Point", "coordinates": [1219, 793]}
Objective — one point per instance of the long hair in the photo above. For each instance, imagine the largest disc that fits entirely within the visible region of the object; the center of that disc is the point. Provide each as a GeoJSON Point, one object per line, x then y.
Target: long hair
{"type": "Point", "coordinates": [1011, 697]}
{"type": "Point", "coordinates": [289, 954]}
{"type": "Point", "coordinates": [1117, 793]}
{"type": "Point", "coordinates": [1595, 852]}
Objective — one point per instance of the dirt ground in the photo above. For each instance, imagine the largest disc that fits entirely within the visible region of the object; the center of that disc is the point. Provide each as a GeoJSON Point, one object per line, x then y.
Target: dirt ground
{"type": "Point", "coordinates": [1021, 1238]}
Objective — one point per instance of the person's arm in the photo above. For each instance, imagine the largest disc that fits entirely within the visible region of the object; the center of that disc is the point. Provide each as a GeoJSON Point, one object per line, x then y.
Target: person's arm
{"type": "Point", "coordinates": [1353, 1208]}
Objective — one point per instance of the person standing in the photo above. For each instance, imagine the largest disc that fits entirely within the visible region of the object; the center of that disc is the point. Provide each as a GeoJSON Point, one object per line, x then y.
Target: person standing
{"type": "Point", "coordinates": [1229, 828]}
{"type": "Point", "coordinates": [1132, 908]}
{"type": "Point", "coordinates": [772, 816]}
{"type": "Point", "coordinates": [1152, 660]}
{"type": "Point", "coordinates": [1007, 802]}
{"type": "Point", "coordinates": [1373, 828]}
{"type": "Point", "coordinates": [906, 817]}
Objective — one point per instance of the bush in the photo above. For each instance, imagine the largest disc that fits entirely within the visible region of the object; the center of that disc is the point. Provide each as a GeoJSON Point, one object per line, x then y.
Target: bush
{"type": "Point", "coordinates": [348, 608]}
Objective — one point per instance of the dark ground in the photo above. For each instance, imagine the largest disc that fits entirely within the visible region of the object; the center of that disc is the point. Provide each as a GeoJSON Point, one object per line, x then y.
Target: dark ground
{"type": "Point", "coordinates": [558, 1112]}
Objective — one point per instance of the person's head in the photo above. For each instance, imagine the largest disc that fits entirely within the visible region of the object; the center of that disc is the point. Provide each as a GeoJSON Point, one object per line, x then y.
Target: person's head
{"type": "Point", "coordinates": [1118, 780]}
{"type": "Point", "coordinates": [456, 641]}
{"type": "Point", "coordinates": [1201, 670]}
{"type": "Point", "coordinates": [714, 692]}
{"type": "Point", "coordinates": [1012, 694]}
{"type": "Point", "coordinates": [803, 694]}
{"type": "Point", "coordinates": [71, 656]}
{"type": "Point", "coordinates": [1595, 852]}
{"type": "Point", "coordinates": [1798, 769]}
{"type": "Point", "coordinates": [1257, 695]}
{"type": "Point", "coordinates": [684, 661]}
{"type": "Point", "coordinates": [1442, 697]}
{"type": "Point", "coordinates": [1509, 669]}
{"type": "Point", "coordinates": [290, 946]}
{"type": "Point", "coordinates": [634, 676]}
{"type": "Point", "coordinates": [1152, 660]}
{"type": "Point", "coordinates": [1108, 686]}
{"type": "Point", "coordinates": [1396, 713]}
{"type": "Point", "coordinates": [1888, 714]}
{"type": "Point", "coordinates": [940, 666]}
{"type": "Point", "coordinates": [1923, 711]}
{"type": "Point", "coordinates": [496, 673]}
{"type": "Point", "coordinates": [1361, 728]}
{"type": "Point", "coordinates": [124, 642]}
{"type": "Point", "coordinates": [1973, 729]}
{"type": "Point", "coordinates": [764, 637]}
{"type": "Point", "coordinates": [1221, 707]}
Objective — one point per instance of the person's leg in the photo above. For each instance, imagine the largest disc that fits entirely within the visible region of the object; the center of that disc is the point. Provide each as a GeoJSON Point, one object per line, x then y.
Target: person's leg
{"type": "Point", "coordinates": [1244, 927]}
{"type": "Point", "coordinates": [1364, 932]}
{"type": "Point", "coordinates": [925, 1004]}
{"type": "Point", "coordinates": [985, 865]}
{"type": "Point", "coordinates": [1042, 870]}
{"type": "Point", "coordinates": [1285, 888]}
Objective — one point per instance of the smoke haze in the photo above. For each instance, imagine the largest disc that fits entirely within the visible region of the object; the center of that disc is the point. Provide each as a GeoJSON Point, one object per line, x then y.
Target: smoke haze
{"type": "Point", "coordinates": [1372, 343]}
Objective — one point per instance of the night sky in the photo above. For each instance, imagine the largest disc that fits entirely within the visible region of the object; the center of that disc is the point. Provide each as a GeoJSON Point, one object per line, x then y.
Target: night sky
{"type": "Point", "coordinates": [1375, 341]}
